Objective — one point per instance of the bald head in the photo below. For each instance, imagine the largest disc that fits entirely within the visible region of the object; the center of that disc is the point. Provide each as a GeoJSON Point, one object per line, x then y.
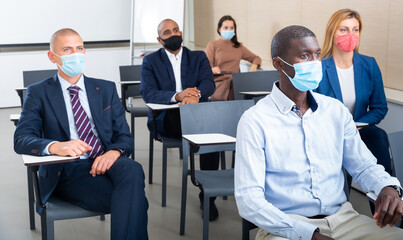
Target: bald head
{"type": "Point", "coordinates": [166, 24]}
{"type": "Point", "coordinates": [61, 33]}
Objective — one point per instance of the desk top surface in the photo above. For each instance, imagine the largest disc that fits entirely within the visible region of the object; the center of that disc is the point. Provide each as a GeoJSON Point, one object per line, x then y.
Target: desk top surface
{"type": "Point", "coordinates": [129, 82]}
{"type": "Point", "coordinates": [14, 117]}
{"type": "Point", "coordinates": [155, 106]}
{"type": "Point", "coordinates": [255, 93]}
{"type": "Point", "coordinates": [30, 160]}
{"type": "Point", "coordinates": [209, 139]}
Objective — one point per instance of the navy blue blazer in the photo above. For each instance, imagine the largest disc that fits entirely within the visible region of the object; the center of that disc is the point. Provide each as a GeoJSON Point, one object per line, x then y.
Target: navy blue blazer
{"type": "Point", "coordinates": [44, 119]}
{"type": "Point", "coordinates": [158, 80]}
{"type": "Point", "coordinates": [371, 106]}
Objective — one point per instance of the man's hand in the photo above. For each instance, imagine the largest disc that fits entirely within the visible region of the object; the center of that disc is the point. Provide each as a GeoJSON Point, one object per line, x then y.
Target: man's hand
{"type": "Point", "coordinates": [253, 68]}
{"type": "Point", "coordinates": [318, 236]}
{"type": "Point", "coordinates": [190, 100]}
{"type": "Point", "coordinates": [187, 93]}
{"type": "Point", "coordinates": [216, 70]}
{"type": "Point", "coordinates": [388, 207]}
{"type": "Point", "coordinates": [104, 162]}
{"type": "Point", "coordinates": [72, 148]}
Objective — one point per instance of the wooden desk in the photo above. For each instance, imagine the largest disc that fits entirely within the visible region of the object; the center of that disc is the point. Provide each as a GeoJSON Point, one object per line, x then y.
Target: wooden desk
{"type": "Point", "coordinates": [205, 139]}
{"type": "Point", "coordinates": [252, 94]}
{"type": "Point", "coordinates": [30, 160]}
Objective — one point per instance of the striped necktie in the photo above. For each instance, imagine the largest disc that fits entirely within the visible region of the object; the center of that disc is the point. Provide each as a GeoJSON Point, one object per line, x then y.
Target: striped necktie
{"type": "Point", "coordinates": [83, 124]}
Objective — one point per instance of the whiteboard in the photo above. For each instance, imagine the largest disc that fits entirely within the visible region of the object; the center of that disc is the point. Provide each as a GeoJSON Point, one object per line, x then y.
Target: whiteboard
{"type": "Point", "coordinates": [149, 13]}
{"type": "Point", "coordinates": [34, 21]}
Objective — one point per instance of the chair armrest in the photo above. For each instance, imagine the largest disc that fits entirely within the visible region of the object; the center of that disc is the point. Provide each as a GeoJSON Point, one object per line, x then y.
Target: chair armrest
{"type": "Point", "coordinates": [371, 196]}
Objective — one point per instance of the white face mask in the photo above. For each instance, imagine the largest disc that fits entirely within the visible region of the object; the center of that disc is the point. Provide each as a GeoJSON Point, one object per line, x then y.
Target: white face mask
{"type": "Point", "coordinates": [73, 64]}
{"type": "Point", "coordinates": [307, 74]}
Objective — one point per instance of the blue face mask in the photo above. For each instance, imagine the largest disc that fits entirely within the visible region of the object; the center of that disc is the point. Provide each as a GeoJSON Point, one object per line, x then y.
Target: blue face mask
{"type": "Point", "coordinates": [307, 74]}
{"type": "Point", "coordinates": [228, 34]}
{"type": "Point", "coordinates": [73, 64]}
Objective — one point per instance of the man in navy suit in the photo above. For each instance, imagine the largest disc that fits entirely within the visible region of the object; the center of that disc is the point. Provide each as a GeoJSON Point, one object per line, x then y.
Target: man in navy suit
{"type": "Point", "coordinates": [175, 74]}
{"type": "Point", "coordinates": [70, 114]}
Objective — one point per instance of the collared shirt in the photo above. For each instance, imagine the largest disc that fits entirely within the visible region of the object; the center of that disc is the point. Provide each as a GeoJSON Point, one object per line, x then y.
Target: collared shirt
{"type": "Point", "coordinates": [286, 164]}
{"type": "Point", "coordinates": [176, 61]}
{"type": "Point", "coordinates": [82, 95]}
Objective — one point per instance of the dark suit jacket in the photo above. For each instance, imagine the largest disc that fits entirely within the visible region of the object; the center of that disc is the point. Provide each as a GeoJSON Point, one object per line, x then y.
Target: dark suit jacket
{"type": "Point", "coordinates": [158, 80]}
{"type": "Point", "coordinates": [44, 119]}
{"type": "Point", "coordinates": [370, 106]}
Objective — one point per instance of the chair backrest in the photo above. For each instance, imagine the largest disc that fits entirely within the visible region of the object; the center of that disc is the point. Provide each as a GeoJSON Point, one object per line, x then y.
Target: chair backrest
{"type": "Point", "coordinates": [396, 148]}
{"type": "Point", "coordinates": [212, 117]}
{"type": "Point", "coordinates": [35, 76]}
{"type": "Point", "coordinates": [130, 73]}
{"type": "Point", "coordinates": [253, 81]}
{"type": "Point", "coordinates": [31, 77]}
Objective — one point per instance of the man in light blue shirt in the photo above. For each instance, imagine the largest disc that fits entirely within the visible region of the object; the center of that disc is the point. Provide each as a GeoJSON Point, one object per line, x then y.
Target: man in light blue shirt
{"type": "Point", "coordinates": [291, 148]}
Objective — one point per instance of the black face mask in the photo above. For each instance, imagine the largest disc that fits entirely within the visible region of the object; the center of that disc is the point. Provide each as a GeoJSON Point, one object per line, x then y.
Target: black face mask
{"type": "Point", "coordinates": [172, 43]}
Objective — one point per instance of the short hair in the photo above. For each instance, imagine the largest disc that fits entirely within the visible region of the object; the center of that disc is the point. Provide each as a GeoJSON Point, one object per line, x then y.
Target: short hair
{"type": "Point", "coordinates": [332, 26]}
{"type": "Point", "coordinates": [61, 32]}
{"type": "Point", "coordinates": [282, 40]}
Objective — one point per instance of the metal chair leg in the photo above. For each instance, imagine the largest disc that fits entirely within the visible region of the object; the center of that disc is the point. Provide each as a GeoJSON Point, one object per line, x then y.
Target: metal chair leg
{"type": "Point", "coordinates": [206, 216]}
{"type": "Point", "coordinates": [31, 200]}
{"type": "Point", "coordinates": [151, 160]}
{"type": "Point", "coordinates": [164, 174]}
{"type": "Point", "coordinates": [133, 132]}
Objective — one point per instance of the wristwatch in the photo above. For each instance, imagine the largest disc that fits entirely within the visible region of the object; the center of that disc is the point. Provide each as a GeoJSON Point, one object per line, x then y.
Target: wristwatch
{"type": "Point", "coordinates": [398, 189]}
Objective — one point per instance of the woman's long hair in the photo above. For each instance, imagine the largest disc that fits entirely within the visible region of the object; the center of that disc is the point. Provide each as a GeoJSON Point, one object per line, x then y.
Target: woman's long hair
{"type": "Point", "coordinates": [234, 40]}
{"type": "Point", "coordinates": [332, 26]}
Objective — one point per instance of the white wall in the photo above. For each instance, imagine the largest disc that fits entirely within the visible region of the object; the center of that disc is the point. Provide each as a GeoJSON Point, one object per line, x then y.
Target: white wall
{"type": "Point", "coordinates": [101, 63]}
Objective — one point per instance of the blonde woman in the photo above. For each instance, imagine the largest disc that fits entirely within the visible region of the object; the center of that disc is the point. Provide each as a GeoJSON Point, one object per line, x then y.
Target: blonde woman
{"type": "Point", "coordinates": [355, 80]}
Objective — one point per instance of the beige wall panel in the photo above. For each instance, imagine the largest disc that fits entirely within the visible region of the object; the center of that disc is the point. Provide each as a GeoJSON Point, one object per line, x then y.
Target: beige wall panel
{"type": "Point", "coordinates": [208, 12]}
{"type": "Point", "coordinates": [395, 46]}
{"type": "Point", "coordinates": [316, 13]}
{"type": "Point", "coordinates": [374, 37]}
{"type": "Point", "coordinates": [265, 19]}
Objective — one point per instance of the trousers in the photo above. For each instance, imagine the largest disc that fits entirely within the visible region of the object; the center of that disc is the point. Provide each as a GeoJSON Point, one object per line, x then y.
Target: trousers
{"type": "Point", "coordinates": [345, 224]}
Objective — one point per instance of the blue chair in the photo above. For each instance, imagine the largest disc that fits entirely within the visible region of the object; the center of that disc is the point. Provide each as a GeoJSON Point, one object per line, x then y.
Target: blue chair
{"type": "Point", "coordinates": [210, 117]}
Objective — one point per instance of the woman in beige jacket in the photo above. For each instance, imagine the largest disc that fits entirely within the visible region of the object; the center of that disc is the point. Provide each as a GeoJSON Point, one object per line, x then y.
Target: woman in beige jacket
{"type": "Point", "coordinates": [225, 55]}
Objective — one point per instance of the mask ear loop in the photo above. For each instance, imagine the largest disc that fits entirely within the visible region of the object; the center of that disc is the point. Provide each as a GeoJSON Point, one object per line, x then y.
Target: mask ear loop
{"type": "Point", "coordinates": [285, 63]}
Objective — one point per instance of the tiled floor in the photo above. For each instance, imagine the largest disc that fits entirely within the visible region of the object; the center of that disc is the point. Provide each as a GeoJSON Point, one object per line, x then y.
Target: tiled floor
{"type": "Point", "coordinates": [163, 222]}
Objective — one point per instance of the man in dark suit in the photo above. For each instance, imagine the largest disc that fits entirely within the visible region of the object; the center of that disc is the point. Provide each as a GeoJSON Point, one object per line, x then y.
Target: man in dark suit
{"type": "Point", "coordinates": [70, 114]}
{"type": "Point", "coordinates": [175, 74]}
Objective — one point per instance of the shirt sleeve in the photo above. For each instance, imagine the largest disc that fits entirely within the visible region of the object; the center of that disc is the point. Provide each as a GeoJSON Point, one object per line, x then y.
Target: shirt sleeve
{"type": "Point", "coordinates": [250, 56]}
{"type": "Point", "coordinates": [250, 177]}
{"type": "Point", "coordinates": [359, 161]}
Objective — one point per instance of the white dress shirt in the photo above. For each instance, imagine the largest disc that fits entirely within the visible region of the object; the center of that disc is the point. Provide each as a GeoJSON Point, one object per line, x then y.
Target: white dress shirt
{"type": "Point", "coordinates": [176, 61]}
{"type": "Point", "coordinates": [347, 86]}
{"type": "Point", "coordinates": [82, 95]}
{"type": "Point", "coordinates": [286, 164]}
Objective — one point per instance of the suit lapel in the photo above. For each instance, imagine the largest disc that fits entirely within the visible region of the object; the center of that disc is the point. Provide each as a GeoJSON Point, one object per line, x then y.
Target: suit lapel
{"type": "Point", "coordinates": [168, 66]}
{"type": "Point", "coordinates": [359, 81]}
{"type": "Point", "coordinates": [94, 95]}
{"type": "Point", "coordinates": [56, 100]}
{"type": "Point", "coordinates": [333, 78]}
{"type": "Point", "coordinates": [184, 62]}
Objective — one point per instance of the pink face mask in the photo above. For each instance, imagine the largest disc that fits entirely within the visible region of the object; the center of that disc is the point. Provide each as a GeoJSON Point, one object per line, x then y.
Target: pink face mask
{"type": "Point", "coordinates": [347, 42]}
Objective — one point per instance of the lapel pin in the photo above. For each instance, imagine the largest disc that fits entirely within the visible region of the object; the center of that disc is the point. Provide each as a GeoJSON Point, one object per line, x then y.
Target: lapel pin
{"type": "Point", "coordinates": [97, 88]}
